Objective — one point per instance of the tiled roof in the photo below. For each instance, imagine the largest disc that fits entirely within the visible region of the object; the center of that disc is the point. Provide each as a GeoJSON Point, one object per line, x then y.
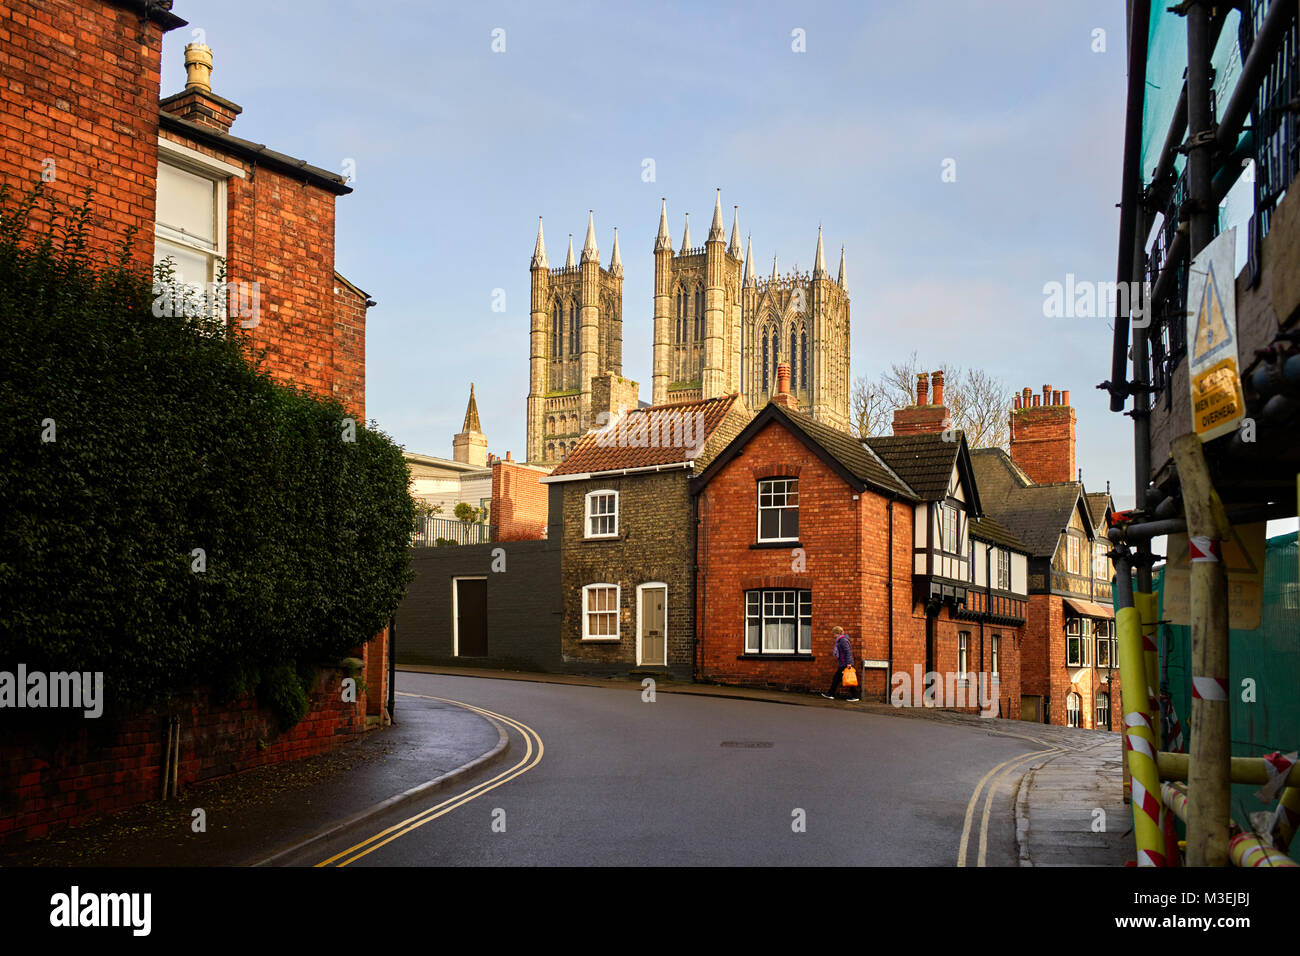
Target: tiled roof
{"type": "Point", "coordinates": [644, 437]}
{"type": "Point", "coordinates": [924, 461]}
{"type": "Point", "coordinates": [1036, 514]}
{"type": "Point", "coordinates": [862, 462]}
{"type": "Point", "coordinates": [988, 529]}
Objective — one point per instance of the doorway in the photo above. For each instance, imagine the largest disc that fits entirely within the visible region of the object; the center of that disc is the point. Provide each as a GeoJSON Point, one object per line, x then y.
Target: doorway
{"type": "Point", "coordinates": [652, 624]}
{"type": "Point", "coordinates": [469, 617]}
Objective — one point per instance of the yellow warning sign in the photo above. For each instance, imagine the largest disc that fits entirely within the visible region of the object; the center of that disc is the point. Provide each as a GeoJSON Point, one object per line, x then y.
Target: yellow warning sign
{"type": "Point", "coordinates": [1215, 377]}
{"type": "Point", "coordinates": [1243, 558]}
{"type": "Point", "coordinates": [1217, 398]}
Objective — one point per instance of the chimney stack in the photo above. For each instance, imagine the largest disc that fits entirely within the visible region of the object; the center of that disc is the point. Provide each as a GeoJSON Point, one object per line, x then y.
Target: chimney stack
{"type": "Point", "coordinates": [783, 395]}
{"type": "Point", "coordinates": [197, 103]}
{"type": "Point", "coordinates": [928, 415]}
{"type": "Point", "coordinates": [1042, 435]}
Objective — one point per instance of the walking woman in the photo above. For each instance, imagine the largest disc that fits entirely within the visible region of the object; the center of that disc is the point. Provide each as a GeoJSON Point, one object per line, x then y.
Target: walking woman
{"type": "Point", "coordinates": [843, 654]}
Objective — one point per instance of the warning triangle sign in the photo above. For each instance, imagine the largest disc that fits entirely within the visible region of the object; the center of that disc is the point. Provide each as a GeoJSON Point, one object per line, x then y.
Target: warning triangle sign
{"type": "Point", "coordinates": [1212, 330]}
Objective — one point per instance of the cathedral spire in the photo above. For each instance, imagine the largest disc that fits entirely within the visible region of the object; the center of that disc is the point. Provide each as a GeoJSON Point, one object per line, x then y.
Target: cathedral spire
{"type": "Point", "coordinates": [589, 251]}
{"type": "Point", "coordinates": [539, 253]}
{"type": "Point", "coordinates": [749, 263]}
{"type": "Point", "coordinates": [819, 266]}
{"type": "Point", "coordinates": [568, 263]}
{"type": "Point", "coordinates": [471, 414]}
{"type": "Point", "coordinates": [686, 237]}
{"type": "Point", "coordinates": [716, 233]}
{"type": "Point", "coordinates": [840, 281]}
{"type": "Point", "coordinates": [773, 266]}
{"type": "Point", "coordinates": [733, 250]}
{"type": "Point", "coordinates": [616, 260]}
{"type": "Point", "coordinates": [663, 240]}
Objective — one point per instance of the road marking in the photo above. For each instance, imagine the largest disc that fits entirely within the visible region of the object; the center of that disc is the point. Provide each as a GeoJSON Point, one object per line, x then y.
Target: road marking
{"type": "Point", "coordinates": [974, 801]}
{"type": "Point", "coordinates": [980, 860]}
{"type": "Point", "coordinates": [529, 761]}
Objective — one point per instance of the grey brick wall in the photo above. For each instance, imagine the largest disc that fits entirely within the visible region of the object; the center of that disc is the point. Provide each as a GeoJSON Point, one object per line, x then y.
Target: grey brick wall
{"type": "Point", "coordinates": [523, 605]}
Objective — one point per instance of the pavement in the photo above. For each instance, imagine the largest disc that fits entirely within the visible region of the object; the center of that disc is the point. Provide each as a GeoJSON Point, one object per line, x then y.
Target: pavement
{"type": "Point", "coordinates": [1068, 804]}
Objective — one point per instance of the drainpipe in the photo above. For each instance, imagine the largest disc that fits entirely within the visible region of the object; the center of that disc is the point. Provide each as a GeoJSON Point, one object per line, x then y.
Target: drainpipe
{"type": "Point", "coordinates": [701, 577]}
{"type": "Point", "coordinates": [392, 666]}
{"type": "Point", "coordinates": [889, 589]}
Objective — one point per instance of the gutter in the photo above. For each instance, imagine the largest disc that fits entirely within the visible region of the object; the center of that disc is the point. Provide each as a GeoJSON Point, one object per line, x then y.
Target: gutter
{"type": "Point", "coordinates": [617, 472]}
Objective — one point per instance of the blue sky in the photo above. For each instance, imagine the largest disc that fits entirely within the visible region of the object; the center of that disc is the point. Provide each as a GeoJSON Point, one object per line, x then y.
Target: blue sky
{"type": "Point", "coordinates": [458, 149]}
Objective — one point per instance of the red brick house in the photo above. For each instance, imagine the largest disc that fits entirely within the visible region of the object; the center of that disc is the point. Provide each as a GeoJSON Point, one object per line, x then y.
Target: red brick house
{"type": "Point", "coordinates": [79, 108]}
{"type": "Point", "coordinates": [803, 527]}
{"type": "Point", "coordinates": [1070, 669]}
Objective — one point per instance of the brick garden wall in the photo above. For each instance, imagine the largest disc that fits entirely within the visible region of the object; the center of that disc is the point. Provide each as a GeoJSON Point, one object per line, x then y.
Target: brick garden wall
{"type": "Point", "coordinates": [77, 86]}
{"type": "Point", "coordinates": [52, 778]}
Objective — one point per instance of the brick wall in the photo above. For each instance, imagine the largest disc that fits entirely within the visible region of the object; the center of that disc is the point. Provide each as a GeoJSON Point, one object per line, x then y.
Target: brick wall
{"type": "Point", "coordinates": [653, 545]}
{"type": "Point", "coordinates": [1042, 436]}
{"type": "Point", "coordinates": [519, 502]}
{"type": "Point", "coordinates": [77, 86]}
{"type": "Point", "coordinates": [350, 348]}
{"type": "Point", "coordinates": [51, 778]}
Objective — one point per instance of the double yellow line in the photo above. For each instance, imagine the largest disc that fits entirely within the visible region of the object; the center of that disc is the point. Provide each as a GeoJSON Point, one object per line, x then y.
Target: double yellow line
{"type": "Point", "coordinates": [532, 757]}
{"type": "Point", "coordinates": [1011, 766]}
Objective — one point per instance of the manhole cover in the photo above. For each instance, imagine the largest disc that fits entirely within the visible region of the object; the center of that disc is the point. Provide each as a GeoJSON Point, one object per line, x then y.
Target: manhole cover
{"type": "Point", "coordinates": [748, 744]}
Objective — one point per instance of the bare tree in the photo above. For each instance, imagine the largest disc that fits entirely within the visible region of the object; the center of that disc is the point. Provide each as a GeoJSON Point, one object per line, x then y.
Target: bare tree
{"type": "Point", "coordinates": [978, 404]}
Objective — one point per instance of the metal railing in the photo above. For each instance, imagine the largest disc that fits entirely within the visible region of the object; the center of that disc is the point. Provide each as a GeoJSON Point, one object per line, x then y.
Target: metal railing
{"type": "Point", "coordinates": [433, 532]}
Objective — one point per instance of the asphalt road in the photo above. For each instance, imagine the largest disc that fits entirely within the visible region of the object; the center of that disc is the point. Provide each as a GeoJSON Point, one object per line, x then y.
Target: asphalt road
{"type": "Point", "coordinates": [597, 776]}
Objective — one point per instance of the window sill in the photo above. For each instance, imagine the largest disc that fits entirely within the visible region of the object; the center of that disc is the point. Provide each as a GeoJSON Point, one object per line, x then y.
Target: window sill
{"type": "Point", "coordinates": [601, 640]}
{"type": "Point", "coordinates": [601, 537]}
{"type": "Point", "coordinates": [774, 655]}
{"type": "Point", "coordinates": [761, 545]}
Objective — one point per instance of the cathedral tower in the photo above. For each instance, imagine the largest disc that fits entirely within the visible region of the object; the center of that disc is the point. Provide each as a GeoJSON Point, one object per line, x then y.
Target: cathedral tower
{"type": "Point", "coordinates": [576, 353]}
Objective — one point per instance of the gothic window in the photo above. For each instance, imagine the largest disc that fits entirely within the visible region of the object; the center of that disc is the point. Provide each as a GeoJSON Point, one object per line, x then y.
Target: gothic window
{"type": "Point", "coordinates": [573, 327]}
{"type": "Point", "coordinates": [681, 315]}
{"type": "Point", "coordinates": [803, 358]}
{"type": "Point", "coordinates": [765, 360]}
{"type": "Point", "coordinates": [794, 354]}
{"type": "Point", "coordinates": [699, 313]}
{"type": "Point", "coordinates": [557, 331]}
{"type": "Point", "coordinates": [776, 356]}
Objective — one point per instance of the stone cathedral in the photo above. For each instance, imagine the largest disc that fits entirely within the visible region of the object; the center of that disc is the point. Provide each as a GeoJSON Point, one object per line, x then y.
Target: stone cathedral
{"type": "Point", "coordinates": [717, 330]}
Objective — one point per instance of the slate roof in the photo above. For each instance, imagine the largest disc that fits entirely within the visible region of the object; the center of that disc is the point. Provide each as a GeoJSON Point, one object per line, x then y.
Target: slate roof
{"type": "Point", "coordinates": [988, 529]}
{"type": "Point", "coordinates": [641, 437]}
{"type": "Point", "coordinates": [1036, 514]}
{"type": "Point", "coordinates": [862, 462]}
{"type": "Point", "coordinates": [925, 461]}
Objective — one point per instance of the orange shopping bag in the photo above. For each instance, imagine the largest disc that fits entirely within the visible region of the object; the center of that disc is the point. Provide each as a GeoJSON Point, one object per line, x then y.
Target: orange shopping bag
{"type": "Point", "coordinates": [850, 677]}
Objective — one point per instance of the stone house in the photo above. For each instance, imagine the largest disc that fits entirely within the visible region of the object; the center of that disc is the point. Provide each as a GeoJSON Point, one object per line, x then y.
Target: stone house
{"type": "Point", "coordinates": [626, 521]}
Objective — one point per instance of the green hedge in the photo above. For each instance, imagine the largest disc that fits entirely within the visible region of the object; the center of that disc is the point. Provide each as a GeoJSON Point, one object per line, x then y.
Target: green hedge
{"type": "Point", "coordinates": [168, 437]}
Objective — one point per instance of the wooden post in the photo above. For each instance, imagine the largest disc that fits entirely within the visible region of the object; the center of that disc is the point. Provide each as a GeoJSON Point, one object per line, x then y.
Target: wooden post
{"type": "Point", "coordinates": [1210, 756]}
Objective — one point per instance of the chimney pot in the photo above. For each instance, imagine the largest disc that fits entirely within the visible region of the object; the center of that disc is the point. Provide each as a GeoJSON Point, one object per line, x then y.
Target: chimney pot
{"type": "Point", "coordinates": [1056, 397]}
{"type": "Point", "coordinates": [198, 67]}
{"type": "Point", "coordinates": [1047, 394]}
{"type": "Point", "coordinates": [1065, 397]}
{"type": "Point", "coordinates": [922, 388]}
{"type": "Point", "coordinates": [1035, 401]}
{"type": "Point", "coordinates": [508, 458]}
{"type": "Point", "coordinates": [936, 393]}
{"type": "Point", "coordinates": [783, 395]}
{"type": "Point", "coordinates": [1017, 401]}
